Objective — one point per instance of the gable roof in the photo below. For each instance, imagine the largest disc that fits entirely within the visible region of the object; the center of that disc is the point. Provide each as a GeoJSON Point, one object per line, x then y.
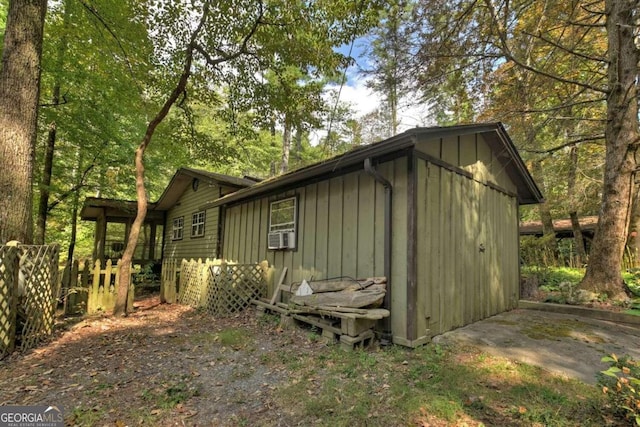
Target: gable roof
{"type": "Point", "coordinates": [183, 178]}
{"type": "Point", "coordinates": [179, 182]}
{"type": "Point", "coordinates": [494, 133]}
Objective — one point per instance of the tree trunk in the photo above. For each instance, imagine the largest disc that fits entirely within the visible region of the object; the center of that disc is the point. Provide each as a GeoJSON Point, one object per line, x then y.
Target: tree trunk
{"type": "Point", "coordinates": [286, 145]}
{"type": "Point", "coordinates": [122, 290]}
{"type": "Point", "coordinates": [581, 255]}
{"type": "Point", "coordinates": [43, 203]}
{"type": "Point", "coordinates": [19, 93]}
{"type": "Point", "coordinates": [551, 247]}
{"type": "Point", "coordinates": [622, 137]}
{"type": "Point", "coordinates": [633, 242]}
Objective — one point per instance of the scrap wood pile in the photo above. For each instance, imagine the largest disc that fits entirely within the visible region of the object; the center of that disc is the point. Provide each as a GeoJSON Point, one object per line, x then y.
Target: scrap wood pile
{"type": "Point", "coordinates": [342, 298]}
{"type": "Point", "coordinates": [345, 309]}
{"type": "Point", "coordinates": [343, 295]}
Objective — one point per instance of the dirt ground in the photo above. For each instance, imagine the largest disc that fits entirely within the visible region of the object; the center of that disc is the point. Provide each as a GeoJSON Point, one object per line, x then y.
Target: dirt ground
{"type": "Point", "coordinates": [143, 364]}
{"type": "Point", "coordinates": [172, 365]}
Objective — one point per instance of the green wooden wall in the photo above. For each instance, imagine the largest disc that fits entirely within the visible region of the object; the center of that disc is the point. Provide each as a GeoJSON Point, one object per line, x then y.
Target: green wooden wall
{"type": "Point", "coordinates": [340, 230]}
{"type": "Point", "coordinates": [463, 232]}
{"type": "Point", "coordinates": [467, 238]}
{"type": "Point", "coordinates": [189, 203]}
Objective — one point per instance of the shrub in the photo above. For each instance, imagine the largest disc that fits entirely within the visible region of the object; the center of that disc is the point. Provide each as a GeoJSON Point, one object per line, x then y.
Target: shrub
{"type": "Point", "coordinates": [621, 383]}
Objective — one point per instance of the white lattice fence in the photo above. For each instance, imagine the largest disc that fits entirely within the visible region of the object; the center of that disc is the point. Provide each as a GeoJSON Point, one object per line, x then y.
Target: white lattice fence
{"type": "Point", "coordinates": [219, 287]}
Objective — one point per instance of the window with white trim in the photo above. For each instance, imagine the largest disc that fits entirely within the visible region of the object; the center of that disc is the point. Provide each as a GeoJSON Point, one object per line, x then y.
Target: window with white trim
{"type": "Point", "coordinates": [197, 224]}
{"type": "Point", "coordinates": [178, 228]}
{"type": "Point", "coordinates": [282, 215]}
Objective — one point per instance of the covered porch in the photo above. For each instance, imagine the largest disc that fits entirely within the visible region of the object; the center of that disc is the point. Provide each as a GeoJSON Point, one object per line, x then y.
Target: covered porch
{"type": "Point", "coordinates": [113, 220]}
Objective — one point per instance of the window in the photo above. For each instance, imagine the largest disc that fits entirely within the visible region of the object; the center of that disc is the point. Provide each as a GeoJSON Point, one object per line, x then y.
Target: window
{"type": "Point", "coordinates": [282, 215]}
{"type": "Point", "coordinates": [197, 224]}
{"type": "Point", "coordinates": [178, 227]}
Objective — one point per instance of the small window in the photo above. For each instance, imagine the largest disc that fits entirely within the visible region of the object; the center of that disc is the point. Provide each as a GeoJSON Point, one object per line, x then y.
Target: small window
{"type": "Point", "coordinates": [282, 215]}
{"type": "Point", "coordinates": [178, 227]}
{"type": "Point", "coordinates": [197, 224]}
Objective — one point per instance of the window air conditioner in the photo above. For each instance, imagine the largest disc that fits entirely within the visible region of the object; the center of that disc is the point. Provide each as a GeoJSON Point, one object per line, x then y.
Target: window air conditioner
{"type": "Point", "coordinates": [281, 240]}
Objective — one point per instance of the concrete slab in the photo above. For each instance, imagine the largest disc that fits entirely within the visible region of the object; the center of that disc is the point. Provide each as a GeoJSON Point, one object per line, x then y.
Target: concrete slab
{"type": "Point", "coordinates": [565, 344]}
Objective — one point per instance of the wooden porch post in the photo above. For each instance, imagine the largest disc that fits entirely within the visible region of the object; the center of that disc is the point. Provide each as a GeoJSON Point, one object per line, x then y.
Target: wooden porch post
{"type": "Point", "coordinates": [152, 241]}
{"type": "Point", "coordinates": [100, 236]}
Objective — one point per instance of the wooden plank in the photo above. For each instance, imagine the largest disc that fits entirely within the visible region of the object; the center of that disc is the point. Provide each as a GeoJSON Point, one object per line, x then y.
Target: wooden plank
{"type": "Point", "coordinates": [277, 290]}
{"type": "Point", "coordinates": [317, 322]}
{"type": "Point", "coordinates": [350, 226]}
{"type": "Point", "coordinates": [354, 299]}
{"type": "Point", "coordinates": [297, 255]}
{"type": "Point", "coordinates": [336, 227]}
{"type": "Point", "coordinates": [366, 226]}
{"type": "Point", "coordinates": [450, 152]}
{"type": "Point", "coordinates": [467, 150]}
{"type": "Point", "coordinates": [322, 229]}
{"type": "Point", "coordinates": [309, 232]}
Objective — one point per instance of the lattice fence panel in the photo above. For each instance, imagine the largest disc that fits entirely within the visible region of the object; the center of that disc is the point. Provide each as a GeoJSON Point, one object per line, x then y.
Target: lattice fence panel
{"type": "Point", "coordinates": [8, 298]}
{"type": "Point", "coordinates": [192, 282]}
{"type": "Point", "coordinates": [232, 287]}
{"type": "Point", "coordinates": [39, 268]}
{"type": "Point", "coordinates": [219, 287]}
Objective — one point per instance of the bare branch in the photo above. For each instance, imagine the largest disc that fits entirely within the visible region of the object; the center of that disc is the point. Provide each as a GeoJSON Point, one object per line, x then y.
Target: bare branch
{"type": "Point", "coordinates": [586, 139]}
{"type": "Point", "coordinates": [55, 104]}
{"type": "Point", "coordinates": [567, 49]}
{"type": "Point", "coordinates": [224, 56]}
{"type": "Point", "coordinates": [77, 186]}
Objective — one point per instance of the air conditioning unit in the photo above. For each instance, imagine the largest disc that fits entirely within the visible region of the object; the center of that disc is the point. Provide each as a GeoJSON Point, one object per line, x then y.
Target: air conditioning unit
{"type": "Point", "coordinates": [282, 240]}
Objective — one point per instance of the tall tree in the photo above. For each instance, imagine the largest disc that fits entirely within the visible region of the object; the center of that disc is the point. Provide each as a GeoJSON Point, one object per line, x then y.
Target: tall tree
{"type": "Point", "coordinates": [388, 53]}
{"type": "Point", "coordinates": [586, 46]}
{"type": "Point", "coordinates": [622, 137]}
{"type": "Point", "coordinates": [228, 46]}
{"type": "Point", "coordinates": [19, 94]}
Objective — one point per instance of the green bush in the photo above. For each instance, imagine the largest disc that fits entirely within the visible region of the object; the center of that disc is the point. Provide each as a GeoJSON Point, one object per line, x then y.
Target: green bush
{"type": "Point", "coordinates": [621, 383]}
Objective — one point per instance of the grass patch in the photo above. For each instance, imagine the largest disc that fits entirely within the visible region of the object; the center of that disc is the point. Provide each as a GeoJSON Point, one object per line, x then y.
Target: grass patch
{"type": "Point", "coordinates": [234, 338]}
{"type": "Point", "coordinates": [434, 386]}
{"type": "Point", "coordinates": [547, 331]}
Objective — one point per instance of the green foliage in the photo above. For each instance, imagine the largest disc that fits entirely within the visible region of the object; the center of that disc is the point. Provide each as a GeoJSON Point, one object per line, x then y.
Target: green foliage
{"type": "Point", "coordinates": [550, 278]}
{"type": "Point", "coordinates": [621, 383]}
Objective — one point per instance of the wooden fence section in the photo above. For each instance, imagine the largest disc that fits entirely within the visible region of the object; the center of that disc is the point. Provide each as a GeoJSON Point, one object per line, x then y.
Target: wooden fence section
{"type": "Point", "coordinates": [91, 289]}
{"type": "Point", "coordinates": [169, 281]}
{"type": "Point", "coordinates": [29, 290]}
{"type": "Point", "coordinates": [221, 287]}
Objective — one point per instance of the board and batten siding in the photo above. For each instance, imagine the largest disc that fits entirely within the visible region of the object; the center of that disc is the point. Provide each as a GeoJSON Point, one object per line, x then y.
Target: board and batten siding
{"type": "Point", "coordinates": [340, 230]}
{"type": "Point", "coordinates": [471, 153]}
{"type": "Point", "coordinates": [189, 203]}
{"type": "Point", "coordinates": [467, 249]}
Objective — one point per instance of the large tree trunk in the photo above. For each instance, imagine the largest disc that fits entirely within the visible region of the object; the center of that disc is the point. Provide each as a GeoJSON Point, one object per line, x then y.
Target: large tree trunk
{"type": "Point", "coordinates": [19, 93]}
{"type": "Point", "coordinates": [43, 203]}
{"type": "Point", "coordinates": [122, 290]}
{"type": "Point", "coordinates": [622, 138]}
